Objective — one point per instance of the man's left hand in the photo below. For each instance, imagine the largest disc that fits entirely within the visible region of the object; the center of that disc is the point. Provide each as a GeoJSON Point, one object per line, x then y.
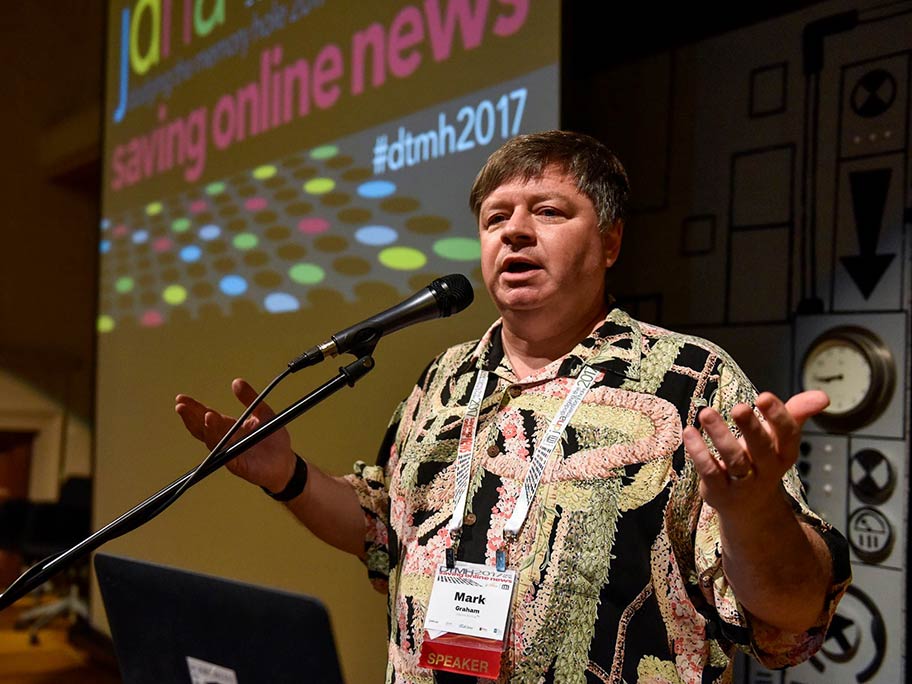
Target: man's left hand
{"type": "Point", "coordinates": [749, 470]}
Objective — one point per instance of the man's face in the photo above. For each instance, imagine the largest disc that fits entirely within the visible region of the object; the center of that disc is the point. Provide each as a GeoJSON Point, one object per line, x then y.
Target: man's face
{"type": "Point", "coordinates": [541, 246]}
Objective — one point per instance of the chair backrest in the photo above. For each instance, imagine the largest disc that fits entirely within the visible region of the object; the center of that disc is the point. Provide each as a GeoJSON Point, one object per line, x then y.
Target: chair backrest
{"type": "Point", "coordinates": [76, 492]}
{"type": "Point", "coordinates": [12, 523]}
{"type": "Point", "coordinates": [56, 525]}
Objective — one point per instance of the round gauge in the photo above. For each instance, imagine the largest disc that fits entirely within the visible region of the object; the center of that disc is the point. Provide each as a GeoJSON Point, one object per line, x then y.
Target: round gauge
{"type": "Point", "coordinates": [856, 370]}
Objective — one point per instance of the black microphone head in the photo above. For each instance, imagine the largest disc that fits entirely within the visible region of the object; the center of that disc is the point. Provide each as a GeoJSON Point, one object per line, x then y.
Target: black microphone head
{"type": "Point", "coordinates": [453, 293]}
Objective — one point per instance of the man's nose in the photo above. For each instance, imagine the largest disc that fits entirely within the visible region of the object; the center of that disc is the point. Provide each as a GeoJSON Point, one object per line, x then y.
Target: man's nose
{"type": "Point", "coordinates": [519, 229]}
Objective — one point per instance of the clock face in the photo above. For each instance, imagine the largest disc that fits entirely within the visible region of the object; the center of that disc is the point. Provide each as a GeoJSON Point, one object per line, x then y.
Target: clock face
{"type": "Point", "coordinates": [856, 370]}
{"type": "Point", "coordinates": [840, 369]}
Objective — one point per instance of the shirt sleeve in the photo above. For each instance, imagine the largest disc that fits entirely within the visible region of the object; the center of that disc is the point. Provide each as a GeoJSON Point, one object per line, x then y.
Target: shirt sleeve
{"type": "Point", "coordinates": [371, 485]}
{"type": "Point", "coordinates": [773, 647]}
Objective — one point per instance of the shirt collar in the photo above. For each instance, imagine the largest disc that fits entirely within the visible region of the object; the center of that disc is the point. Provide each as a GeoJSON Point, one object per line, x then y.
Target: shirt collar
{"type": "Point", "coordinates": [614, 346]}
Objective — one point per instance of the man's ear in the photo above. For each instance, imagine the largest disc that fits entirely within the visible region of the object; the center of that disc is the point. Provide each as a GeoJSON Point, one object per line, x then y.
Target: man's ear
{"type": "Point", "coordinates": [611, 241]}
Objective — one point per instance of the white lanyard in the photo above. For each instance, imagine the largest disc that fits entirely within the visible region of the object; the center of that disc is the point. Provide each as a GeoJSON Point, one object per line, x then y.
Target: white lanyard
{"type": "Point", "coordinates": [539, 459]}
{"type": "Point", "coordinates": [464, 453]}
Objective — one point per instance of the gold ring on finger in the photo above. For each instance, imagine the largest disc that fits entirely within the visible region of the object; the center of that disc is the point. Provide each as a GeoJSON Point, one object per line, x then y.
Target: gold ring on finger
{"type": "Point", "coordinates": [735, 477]}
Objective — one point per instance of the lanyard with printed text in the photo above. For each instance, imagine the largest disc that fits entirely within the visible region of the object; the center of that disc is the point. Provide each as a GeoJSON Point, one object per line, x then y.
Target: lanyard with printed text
{"type": "Point", "coordinates": [540, 456]}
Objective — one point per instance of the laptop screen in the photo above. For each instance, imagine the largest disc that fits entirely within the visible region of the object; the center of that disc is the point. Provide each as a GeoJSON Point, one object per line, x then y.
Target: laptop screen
{"type": "Point", "coordinates": [171, 625]}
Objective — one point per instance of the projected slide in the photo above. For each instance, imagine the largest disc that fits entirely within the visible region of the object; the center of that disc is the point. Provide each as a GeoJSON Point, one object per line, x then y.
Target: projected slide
{"type": "Point", "coordinates": [259, 151]}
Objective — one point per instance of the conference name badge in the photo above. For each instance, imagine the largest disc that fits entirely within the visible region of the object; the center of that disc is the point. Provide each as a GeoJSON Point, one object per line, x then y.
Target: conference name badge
{"type": "Point", "coordinates": [467, 619]}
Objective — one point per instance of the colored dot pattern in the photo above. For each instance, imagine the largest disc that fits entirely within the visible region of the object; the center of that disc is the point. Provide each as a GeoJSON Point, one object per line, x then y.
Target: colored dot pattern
{"type": "Point", "coordinates": [281, 302]}
{"type": "Point", "coordinates": [319, 186]}
{"type": "Point", "coordinates": [175, 295]}
{"type": "Point", "coordinates": [324, 152]}
{"type": "Point", "coordinates": [105, 323]}
{"type": "Point", "coordinates": [313, 225]}
{"type": "Point", "coordinates": [402, 258]}
{"type": "Point", "coordinates": [233, 285]}
{"type": "Point", "coordinates": [306, 274]}
{"type": "Point", "coordinates": [264, 172]}
{"type": "Point", "coordinates": [376, 235]}
{"type": "Point", "coordinates": [210, 232]}
{"type": "Point", "coordinates": [245, 241]}
{"type": "Point", "coordinates": [376, 188]}
{"type": "Point", "coordinates": [278, 237]}
{"type": "Point", "coordinates": [458, 249]}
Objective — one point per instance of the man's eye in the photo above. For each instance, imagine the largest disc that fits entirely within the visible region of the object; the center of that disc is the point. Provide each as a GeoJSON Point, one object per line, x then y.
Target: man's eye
{"type": "Point", "coordinates": [496, 218]}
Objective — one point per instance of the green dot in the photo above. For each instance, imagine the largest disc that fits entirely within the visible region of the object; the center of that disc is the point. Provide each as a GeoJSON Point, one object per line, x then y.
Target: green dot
{"type": "Point", "coordinates": [458, 249]}
{"type": "Point", "coordinates": [154, 208]}
{"type": "Point", "coordinates": [180, 225]}
{"type": "Point", "coordinates": [306, 274]}
{"type": "Point", "coordinates": [264, 172]}
{"type": "Point", "coordinates": [216, 188]}
{"type": "Point", "coordinates": [324, 152]}
{"type": "Point", "coordinates": [402, 258]}
{"type": "Point", "coordinates": [124, 285]}
{"type": "Point", "coordinates": [105, 323]}
{"type": "Point", "coordinates": [245, 241]}
{"type": "Point", "coordinates": [174, 295]}
{"type": "Point", "coordinates": [319, 186]}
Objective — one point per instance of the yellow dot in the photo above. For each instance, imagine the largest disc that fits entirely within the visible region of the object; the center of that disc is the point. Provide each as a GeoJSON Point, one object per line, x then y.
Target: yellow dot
{"type": "Point", "coordinates": [105, 323]}
{"type": "Point", "coordinates": [174, 295]}
{"type": "Point", "coordinates": [154, 208]}
{"type": "Point", "coordinates": [402, 258]}
{"type": "Point", "coordinates": [264, 172]}
{"type": "Point", "coordinates": [319, 186]}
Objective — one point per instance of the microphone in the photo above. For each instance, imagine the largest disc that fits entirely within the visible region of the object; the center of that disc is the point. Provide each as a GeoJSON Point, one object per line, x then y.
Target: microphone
{"type": "Point", "coordinates": [443, 297]}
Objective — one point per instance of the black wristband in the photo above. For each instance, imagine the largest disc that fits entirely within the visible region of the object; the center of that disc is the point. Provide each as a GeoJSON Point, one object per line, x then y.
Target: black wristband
{"type": "Point", "coordinates": [295, 485]}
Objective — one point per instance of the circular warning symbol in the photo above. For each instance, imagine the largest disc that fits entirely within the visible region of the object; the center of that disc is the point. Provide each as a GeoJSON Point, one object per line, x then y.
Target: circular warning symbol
{"type": "Point", "coordinates": [871, 476]}
{"type": "Point", "coordinates": [874, 93]}
{"type": "Point", "coordinates": [870, 535]}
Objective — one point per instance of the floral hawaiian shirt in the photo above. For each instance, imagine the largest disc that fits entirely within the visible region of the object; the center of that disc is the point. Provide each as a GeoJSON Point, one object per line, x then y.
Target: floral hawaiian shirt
{"type": "Point", "coordinates": [619, 560]}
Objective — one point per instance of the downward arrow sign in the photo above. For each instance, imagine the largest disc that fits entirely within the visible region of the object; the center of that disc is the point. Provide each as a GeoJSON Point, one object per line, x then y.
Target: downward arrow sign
{"type": "Point", "coordinates": [869, 199]}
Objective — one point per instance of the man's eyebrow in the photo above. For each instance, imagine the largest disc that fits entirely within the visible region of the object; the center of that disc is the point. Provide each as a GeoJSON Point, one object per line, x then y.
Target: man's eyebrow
{"type": "Point", "coordinates": [489, 203]}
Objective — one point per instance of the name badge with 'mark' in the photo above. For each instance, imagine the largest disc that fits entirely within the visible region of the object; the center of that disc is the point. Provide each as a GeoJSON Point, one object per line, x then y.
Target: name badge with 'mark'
{"type": "Point", "coordinates": [467, 619]}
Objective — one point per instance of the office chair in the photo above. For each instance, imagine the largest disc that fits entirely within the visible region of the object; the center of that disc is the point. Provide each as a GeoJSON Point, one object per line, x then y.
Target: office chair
{"type": "Point", "coordinates": [50, 527]}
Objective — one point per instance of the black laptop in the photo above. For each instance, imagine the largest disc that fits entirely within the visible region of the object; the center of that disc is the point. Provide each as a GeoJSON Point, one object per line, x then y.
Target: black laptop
{"type": "Point", "coordinates": [171, 626]}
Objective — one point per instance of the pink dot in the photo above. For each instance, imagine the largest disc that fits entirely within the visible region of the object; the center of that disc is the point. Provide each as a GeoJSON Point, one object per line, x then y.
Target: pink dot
{"type": "Point", "coordinates": [198, 206]}
{"type": "Point", "coordinates": [151, 319]}
{"type": "Point", "coordinates": [256, 203]}
{"type": "Point", "coordinates": [162, 245]}
{"type": "Point", "coordinates": [312, 226]}
{"type": "Point", "coordinates": [120, 231]}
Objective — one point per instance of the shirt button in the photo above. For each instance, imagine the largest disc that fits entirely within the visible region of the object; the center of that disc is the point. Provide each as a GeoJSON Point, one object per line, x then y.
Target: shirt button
{"type": "Point", "coordinates": [469, 519]}
{"type": "Point", "coordinates": [514, 391]}
{"type": "Point", "coordinates": [493, 450]}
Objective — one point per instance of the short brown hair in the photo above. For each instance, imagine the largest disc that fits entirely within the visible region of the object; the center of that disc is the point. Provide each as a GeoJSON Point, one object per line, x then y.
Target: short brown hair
{"type": "Point", "coordinates": [599, 174]}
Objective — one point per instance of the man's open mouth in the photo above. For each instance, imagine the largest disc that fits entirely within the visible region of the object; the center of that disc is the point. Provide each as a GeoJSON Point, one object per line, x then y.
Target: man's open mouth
{"type": "Point", "coordinates": [521, 267]}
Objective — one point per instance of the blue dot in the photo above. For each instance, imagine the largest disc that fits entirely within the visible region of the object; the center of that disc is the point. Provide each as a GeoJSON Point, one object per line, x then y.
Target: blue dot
{"type": "Point", "coordinates": [140, 236]}
{"type": "Point", "coordinates": [280, 302]}
{"type": "Point", "coordinates": [105, 223]}
{"type": "Point", "coordinates": [233, 285]}
{"type": "Point", "coordinates": [210, 232]}
{"type": "Point", "coordinates": [105, 246]}
{"type": "Point", "coordinates": [376, 235]}
{"type": "Point", "coordinates": [191, 253]}
{"type": "Point", "coordinates": [376, 188]}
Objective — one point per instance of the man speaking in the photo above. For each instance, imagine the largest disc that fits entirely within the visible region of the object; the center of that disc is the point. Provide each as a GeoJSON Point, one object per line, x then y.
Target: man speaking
{"type": "Point", "coordinates": [577, 496]}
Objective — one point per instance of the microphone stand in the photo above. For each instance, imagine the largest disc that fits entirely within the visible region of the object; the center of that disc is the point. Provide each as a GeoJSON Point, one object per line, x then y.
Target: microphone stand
{"type": "Point", "coordinates": [42, 571]}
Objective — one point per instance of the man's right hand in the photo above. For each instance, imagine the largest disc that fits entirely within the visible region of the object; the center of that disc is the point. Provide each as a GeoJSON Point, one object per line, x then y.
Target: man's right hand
{"type": "Point", "coordinates": [268, 464]}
